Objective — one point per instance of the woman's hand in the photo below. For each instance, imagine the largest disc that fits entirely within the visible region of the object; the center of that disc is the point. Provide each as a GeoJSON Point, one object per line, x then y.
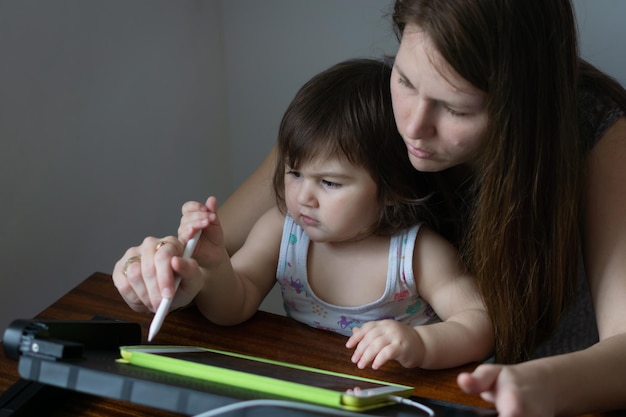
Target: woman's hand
{"type": "Point", "coordinates": [378, 342]}
{"type": "Point", "coordinates": [146, 274]}
{"type": "Point", "coordinates": [511, 389]}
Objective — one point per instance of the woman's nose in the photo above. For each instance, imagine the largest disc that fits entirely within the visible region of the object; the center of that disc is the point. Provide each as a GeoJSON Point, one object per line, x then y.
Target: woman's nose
{"type": "Point", "coordinates": [419, 122]}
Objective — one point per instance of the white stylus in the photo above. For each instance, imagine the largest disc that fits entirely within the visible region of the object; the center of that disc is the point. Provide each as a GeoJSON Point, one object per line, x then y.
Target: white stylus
{"type": "Point", "coordinates": [164, 307]}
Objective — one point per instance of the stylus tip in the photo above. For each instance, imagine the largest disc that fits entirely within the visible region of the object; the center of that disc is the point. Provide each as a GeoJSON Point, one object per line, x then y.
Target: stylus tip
{"type": "Point", "coordinates": [152, 332]}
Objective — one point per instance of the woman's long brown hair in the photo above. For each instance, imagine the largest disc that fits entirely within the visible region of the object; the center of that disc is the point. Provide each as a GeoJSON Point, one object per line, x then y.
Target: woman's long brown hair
{"type": "Point", "coordinates": [521, 236]}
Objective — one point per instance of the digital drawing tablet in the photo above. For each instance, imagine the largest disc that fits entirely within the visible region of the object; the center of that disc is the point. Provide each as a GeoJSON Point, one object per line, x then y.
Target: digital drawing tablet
{"type": "Point", "coordinates": [264, 376]}
{"type": "Point", "coordinates": [99, 372]}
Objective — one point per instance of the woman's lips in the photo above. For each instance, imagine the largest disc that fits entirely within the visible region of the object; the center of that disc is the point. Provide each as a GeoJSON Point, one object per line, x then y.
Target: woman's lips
{"type": "Point", "coordinates": [418, 153]}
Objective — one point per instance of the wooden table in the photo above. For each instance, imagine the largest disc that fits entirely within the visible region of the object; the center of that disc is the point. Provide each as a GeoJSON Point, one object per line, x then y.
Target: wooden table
{"type": "Point", "coordinates": [265, 335]}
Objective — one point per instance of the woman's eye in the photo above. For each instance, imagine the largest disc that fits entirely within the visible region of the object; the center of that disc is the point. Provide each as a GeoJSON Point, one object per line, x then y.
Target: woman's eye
{"type": "Point", "coordinates": [404, 82]}
{"type": "Point", "coordinates": [454, 112]}
{"type": "Point", "coordinates": [294, 173]}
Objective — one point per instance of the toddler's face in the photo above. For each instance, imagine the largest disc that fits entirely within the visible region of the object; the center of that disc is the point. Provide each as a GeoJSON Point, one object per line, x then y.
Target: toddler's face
{"type": "Point", "coordinates": [332, 200]}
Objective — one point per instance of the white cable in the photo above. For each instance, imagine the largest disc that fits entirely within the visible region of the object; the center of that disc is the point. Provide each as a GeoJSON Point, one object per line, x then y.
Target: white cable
{"type": "Point", "coordinates": [305, 407]}
{"type": "Point", "coordinates": [411, 403]}
{"type": "Point", "coordinates": [276, 403]}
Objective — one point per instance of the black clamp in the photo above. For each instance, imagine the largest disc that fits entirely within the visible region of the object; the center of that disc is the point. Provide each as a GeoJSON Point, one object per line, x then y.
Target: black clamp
{"type": "Point", "coordinates": [66, 339]}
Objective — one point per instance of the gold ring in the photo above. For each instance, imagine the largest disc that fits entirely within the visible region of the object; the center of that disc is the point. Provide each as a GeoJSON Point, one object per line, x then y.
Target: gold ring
{"type": "Point", "coordinates": [160, 244]}
{"type": "Point", "coordinates": [130, 261]}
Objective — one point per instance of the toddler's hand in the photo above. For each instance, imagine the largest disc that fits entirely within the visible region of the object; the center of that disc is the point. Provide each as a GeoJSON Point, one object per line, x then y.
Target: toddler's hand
{"type": "Point", "coordinates": [197, 216]}
{"type": "Point", "coordinates": [380, 341]}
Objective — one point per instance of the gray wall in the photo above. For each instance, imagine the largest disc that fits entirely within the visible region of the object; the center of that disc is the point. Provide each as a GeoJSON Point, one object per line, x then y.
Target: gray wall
{"type": "Point", "coordinates": [113, 113]}
{"type": "Point", "coordinates": [603, 34]}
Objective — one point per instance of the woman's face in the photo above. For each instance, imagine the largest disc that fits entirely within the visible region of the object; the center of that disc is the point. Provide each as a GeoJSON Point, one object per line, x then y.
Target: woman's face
{"type": "Point", "coordinates": [441, 116]}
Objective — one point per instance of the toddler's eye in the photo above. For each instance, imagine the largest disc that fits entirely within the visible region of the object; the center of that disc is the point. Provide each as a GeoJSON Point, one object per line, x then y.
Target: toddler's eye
{"type": "Point", "coordinates": [330, 184]}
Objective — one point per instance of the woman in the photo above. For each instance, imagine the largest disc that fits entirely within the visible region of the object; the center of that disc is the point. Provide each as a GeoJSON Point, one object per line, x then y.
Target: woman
{"type": "Point", "coordinates": [532, 179]}
{"type": "Point", "coordinates": [530, 141]}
